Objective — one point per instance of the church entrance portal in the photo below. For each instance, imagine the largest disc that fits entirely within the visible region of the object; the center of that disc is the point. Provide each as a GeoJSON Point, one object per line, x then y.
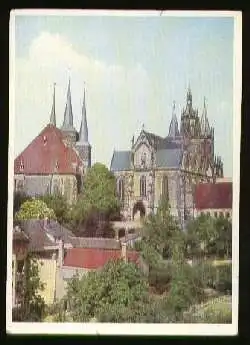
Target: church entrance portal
{"type": "Point", "coordinates": [139, 210]}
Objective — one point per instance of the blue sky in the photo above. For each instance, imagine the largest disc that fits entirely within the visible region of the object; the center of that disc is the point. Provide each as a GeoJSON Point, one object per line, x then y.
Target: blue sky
{"type": "Point", "coordinates": [134, 68]}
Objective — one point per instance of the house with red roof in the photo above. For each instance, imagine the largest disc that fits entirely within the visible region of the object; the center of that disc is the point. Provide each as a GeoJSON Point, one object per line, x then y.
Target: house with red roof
{"type": "Point", "coordinates": [61, 255]}
{"type": "Point", "coordinates": [214, 199]}
{"type": "Point", "coordinates": [56, 160]}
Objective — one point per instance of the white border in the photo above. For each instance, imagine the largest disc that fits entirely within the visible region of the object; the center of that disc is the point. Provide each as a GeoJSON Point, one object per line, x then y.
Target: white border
{"type": "Point", "coordinates": [131, 329]}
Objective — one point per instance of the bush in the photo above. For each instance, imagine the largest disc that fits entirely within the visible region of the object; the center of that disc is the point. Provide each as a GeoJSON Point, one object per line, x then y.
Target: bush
{"type": "Point", "coordinates": [224, 281]}
{"type": "Point", "coordinates": [216, 310]}
{"type": "Point", "coordinates": [160, 278]}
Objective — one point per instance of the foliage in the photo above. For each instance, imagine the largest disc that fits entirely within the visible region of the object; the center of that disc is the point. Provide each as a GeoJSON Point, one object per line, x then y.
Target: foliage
{"type": "Point", "coordinates": [96, 225]}
{"type": "Point", "coordinates": [162, 232]}
{"type": "Point", "coordinates": [148, 253]}
{"type": "Point", "coordinates": [208, 236]}
{"type": "Point", "coordinates": [18, 200]}
{"type": "Point", "coordinates": [35, 209]}
{"type": "Point", "coordinates": [98, 195]}
{"type": "Point", "coordinates": [186, 289]}
{"type": "Point", "coordinates": [160, 278]}
{"type": "Point", "coordinates": [58, 204]}
{"type": "Point", "coordinates": [118, 293]}
{"type": "Point", "coordinates": [216, 310]}
{"type": "Point", "coordinates": [33, 305]}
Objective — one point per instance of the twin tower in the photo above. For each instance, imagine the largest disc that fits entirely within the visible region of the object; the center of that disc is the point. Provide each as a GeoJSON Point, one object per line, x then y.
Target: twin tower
{"type": "Point", "coordinates": [79, 140]}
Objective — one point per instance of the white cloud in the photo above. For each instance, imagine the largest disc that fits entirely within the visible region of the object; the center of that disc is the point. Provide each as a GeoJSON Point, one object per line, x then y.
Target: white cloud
{"type": "Point", "coordinates": [117, 97]}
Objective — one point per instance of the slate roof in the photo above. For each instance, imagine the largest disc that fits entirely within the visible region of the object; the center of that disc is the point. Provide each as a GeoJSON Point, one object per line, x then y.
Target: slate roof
{"type": "Point", "coordinates": [213, 196]}
{"type": "Point", "coordinates": [47, 154]}
{"type": "Point", "coordinates": [120, 161]}
{"type": "Point", "coordinates": [169, 158]}
{"type": "Point", "coordinates": [94, 258]}
{"type": "Point", "coordinates": [41, 236]}
{"type": "Point", "coordinates": [160, 143]}
{"type": "Point", "coordinates": [98, 243]}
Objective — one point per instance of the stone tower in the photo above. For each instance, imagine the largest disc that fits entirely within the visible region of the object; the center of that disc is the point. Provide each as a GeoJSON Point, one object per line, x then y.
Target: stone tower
{"type": "Point", "coordinates": [83, 146]}
{"type": "Point", "coordinates": [68, 130]}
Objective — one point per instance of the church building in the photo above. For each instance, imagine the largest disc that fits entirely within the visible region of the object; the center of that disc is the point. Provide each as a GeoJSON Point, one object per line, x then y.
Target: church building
{"type": "Point", "coordinates": [168, 167]}
{"type": "Point", "coordinates": [57, 159]}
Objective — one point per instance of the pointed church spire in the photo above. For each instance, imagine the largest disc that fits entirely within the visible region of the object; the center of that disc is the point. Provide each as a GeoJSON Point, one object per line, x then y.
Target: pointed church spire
{"type": "Point", "coordinates": [68, 114]}
{"type": "Point", "coordinates": [53, 110]}
{"type": "Point", "coordinates": [189, 96]}
{"type": "Point", "coordinates": [83, 134]}
{"type": "Point", "coordinates": [173, 127]}
{"type": "Point", "coordinates": [205, 128]}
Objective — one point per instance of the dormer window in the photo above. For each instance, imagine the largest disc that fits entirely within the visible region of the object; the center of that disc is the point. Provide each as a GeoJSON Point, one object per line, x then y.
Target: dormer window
{"type": "Point", "coordinates": [44, 140]}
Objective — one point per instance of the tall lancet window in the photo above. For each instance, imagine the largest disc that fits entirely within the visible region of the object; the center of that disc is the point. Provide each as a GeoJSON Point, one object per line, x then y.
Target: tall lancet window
{"type": "Point", "coordinates": [143, 186]}
{"type": "Point", "coordinates": [120, 188]}
{"type": "Point", "coordinates": [165, 192]}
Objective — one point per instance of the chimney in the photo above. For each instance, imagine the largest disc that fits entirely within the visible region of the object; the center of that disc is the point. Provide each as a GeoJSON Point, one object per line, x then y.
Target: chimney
{"type": "Point", "coordinates": [124, 251]}
{"type": "Point", "coordinates": [60, 253]}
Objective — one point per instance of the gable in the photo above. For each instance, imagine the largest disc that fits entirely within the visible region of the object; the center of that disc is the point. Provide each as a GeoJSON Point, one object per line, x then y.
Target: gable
{"type": "Point", "coordinates": [143, 155]}
{"type": "Point", "coordinates": [47, 154]}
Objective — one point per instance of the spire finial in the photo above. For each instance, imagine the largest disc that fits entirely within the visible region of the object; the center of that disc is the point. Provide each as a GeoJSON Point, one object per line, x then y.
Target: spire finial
{"type": "Point", "coordinates": [68, 113]}
{"type": "Point", "coordinates": [83, 135]}
{"type": "Point", "coordinates": [173, 128]}
{"type": "Point", "coordinates": [53, 109]}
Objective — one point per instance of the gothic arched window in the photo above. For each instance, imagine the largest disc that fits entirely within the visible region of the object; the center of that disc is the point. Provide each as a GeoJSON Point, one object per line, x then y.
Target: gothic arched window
{"type": "Point", "coordinates": [143, 187]}
{"type": "Point", "coordinates": [120, 188]}
{"type": "Point", "coordinates": [165, 191]}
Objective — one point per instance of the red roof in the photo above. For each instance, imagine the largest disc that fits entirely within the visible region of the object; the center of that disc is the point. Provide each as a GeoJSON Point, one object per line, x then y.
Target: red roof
{"type": "Point", "coordinates": [46, 153]}
{"type": "Point", "coordinates": [93, 258]}
{"type": "Point", "coordinates": [213, 196]}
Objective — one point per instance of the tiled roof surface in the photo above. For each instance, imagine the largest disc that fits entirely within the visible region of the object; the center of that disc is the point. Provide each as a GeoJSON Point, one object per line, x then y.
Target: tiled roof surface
{"type": "Point", "coordinates": [93, 258]}
{"type": "Point", "coordinates": [168, 158]}
{"type": "Point", "coordinates": [41, 236]}
{"type": "Point", "coordinates": [92, 242]}
{"type": "Point", "coordinates": [121, 161]}
{"type": "Point", "coordinates": [47, 154]}
{"type": "Point", "coordinates": [213, 196]}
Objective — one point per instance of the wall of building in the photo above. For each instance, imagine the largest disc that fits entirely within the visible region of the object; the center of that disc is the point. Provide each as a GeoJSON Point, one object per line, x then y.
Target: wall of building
{"type": "Point", "coordinates": [227, 213]}
{"type": "Point", "coordinates": [41, 184]}
{"type": "Point", "coordinates": [63, 275]}
{"type": "Point", "coordinates": [47, 273]}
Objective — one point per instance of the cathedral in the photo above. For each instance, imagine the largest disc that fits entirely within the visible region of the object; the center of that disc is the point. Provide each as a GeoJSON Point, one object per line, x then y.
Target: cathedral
{"type": "Point", "coordinates": [57, 159]}
{"type": "Point", "coordinates": [170, 167]}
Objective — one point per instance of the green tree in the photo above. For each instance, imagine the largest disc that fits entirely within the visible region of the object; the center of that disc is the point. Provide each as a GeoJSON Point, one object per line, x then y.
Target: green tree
{"type": "Point", "coordinates": [223, 241]}
{"type": "Point", "coordinates": [201, 235]}
{"type": "Point", "coordinates": [117, 293]}
{"type": "Point", "coordinates": [186, 289]}
{"type": "Point", "coordinates": [98, 196]}
{"type": "Point", "coordinates": [58, 203]}
{"type": "Point", "coordinates": [33, 305]}
{"type": "Point", "coordinates": [35, 209]}
{"type": "Point", "coordinates": [163, 233]}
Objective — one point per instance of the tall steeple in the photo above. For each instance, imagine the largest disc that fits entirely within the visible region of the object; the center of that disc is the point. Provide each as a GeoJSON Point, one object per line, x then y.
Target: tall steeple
{"type": "Point", "coordinates": [53, 110]}
{"type": "Point", "coordinates": [83, 134]}
{"type": "Point", "coordinates": [83, 146]}
{"type": "Point", "coordinates": [68, 113]}
{"type": "Point", "coordinates": [68, 126]}
{"type": "Point", "coordinates": [174, 128]}
{"type": "Point", "coordinates": [205, 128]}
